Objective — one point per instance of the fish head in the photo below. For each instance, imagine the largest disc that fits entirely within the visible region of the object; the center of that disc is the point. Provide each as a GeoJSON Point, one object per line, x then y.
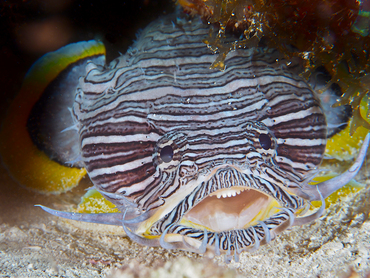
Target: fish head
{"type": "Point", "coordinates": [182, 162]}
{"type": "Point", "coordinates": [178, 181]}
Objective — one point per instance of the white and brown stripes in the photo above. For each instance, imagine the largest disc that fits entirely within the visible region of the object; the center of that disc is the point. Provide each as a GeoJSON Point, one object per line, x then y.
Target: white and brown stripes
{"type": "Point", "coordinates": [162, 93]}
{"type": "Point", "coordinates": [235, 241]}
{"type": "Point", "coordinates": [226, 178]}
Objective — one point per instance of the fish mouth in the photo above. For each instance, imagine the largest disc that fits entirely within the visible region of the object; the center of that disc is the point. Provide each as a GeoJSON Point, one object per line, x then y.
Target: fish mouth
{"type": "Point", "coordinates": [230, 211]}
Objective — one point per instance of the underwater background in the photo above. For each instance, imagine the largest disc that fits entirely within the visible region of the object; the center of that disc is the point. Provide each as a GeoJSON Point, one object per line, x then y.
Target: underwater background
{"type": "Point", "coordinates": [34, 244]}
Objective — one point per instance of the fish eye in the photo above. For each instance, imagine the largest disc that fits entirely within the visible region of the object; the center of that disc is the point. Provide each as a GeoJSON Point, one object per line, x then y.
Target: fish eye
{"type": "Point", "coordinates": [265, 141]}
{"type": "Point", "coordinates": [166, 154]}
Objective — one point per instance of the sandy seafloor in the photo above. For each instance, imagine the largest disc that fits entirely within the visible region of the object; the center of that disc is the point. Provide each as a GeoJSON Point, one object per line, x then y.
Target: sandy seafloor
{"type": "Point", "coordinates": [35, 244]}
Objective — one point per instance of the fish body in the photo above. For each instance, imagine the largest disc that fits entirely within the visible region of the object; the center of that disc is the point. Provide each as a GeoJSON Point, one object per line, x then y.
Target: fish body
{"type": "Point", "coordinates": [162, 94]}
{"type": "Point", "coordinates": [196, 158]}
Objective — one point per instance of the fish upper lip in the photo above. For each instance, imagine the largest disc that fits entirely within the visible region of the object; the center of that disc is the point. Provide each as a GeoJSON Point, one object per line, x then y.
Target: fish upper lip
{"type": "Point", "coordinates": [206, 188]}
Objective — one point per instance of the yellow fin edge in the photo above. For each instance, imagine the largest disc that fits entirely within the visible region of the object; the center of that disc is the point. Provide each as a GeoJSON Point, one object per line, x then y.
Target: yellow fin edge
{"type": "Point", "coordinates": [25, 162]}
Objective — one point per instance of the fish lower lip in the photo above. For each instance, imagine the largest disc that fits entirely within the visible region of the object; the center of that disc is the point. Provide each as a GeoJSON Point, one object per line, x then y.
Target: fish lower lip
{"type": "Point", "coordinates": [232, 241]}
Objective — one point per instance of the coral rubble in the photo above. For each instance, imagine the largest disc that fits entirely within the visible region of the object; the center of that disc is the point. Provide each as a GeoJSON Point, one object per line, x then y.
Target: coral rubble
{"type": "Point", "coordinates": [330, 33]}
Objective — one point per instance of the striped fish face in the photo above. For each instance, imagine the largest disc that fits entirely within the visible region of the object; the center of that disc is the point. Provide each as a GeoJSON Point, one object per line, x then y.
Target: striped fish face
{"type": "Point", "coordinates": [194, 153]}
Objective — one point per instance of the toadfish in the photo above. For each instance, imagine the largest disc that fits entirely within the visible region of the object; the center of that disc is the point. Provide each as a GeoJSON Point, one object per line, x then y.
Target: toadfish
{"type": "Point", "coordinates": [193, 158]}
